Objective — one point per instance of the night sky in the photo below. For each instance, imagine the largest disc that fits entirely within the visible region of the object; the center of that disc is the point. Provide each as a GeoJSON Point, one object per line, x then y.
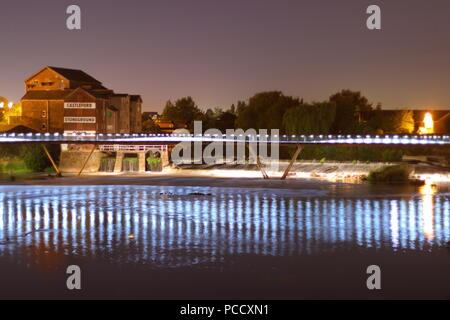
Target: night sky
{"type": "Point", "coordinates": [219, 52]}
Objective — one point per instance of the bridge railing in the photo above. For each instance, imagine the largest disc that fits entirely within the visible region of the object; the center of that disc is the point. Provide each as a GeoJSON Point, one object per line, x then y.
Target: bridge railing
{"type": "Point", "coordinates": [175, 138]}
{"type": "Point", "coordinates": [124, 147]}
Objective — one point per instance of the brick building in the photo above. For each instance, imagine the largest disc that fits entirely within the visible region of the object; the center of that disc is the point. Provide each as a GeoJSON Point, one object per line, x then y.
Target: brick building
{"type": "Point", "coordinates": [67, 100]}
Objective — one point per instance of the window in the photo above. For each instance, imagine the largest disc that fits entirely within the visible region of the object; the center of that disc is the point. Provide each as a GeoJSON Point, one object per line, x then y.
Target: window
{"type": "Point", "coordinates": [46, 84]}
{"type": "Point", "coordinates": [44, 127]}
{"type": "Point", "coordinates": [44, 113]}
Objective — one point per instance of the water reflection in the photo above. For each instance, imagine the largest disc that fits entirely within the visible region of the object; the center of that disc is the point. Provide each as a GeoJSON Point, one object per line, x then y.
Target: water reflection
{"type": "Point", "coordinates": [428, 190]}
{"type": "Point", "coordinates": [174, 226]}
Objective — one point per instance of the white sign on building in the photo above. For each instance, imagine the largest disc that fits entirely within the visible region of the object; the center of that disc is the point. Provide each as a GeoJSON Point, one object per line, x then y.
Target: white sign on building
{"type": "Point", "coordinates": [79, 105]}
{"type": "Point", "coordinates": [79, 120]}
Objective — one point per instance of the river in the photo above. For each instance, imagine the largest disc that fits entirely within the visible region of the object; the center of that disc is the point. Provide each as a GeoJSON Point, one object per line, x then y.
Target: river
{"type": "Point", "coordinates": [223, 242]}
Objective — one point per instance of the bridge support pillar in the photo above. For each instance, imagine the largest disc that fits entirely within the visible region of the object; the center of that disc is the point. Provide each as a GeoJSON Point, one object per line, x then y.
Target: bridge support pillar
{"type": "Point", "coordinates": [141, 158]}
{"type": "Point", "coordinates": [119, 162]}
{"type": "Point", "coordinates": [291, 163]}
{"type": "Point", "coordinates": [165, 158]}
{"type": "Point", "coordinates": [258, 162]}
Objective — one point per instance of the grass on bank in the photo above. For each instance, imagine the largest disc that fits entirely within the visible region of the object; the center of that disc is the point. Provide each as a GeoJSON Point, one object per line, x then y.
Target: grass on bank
{"type": "Point", "coordinates": [14, 166]}
{"type": "Point", "coordinates": [21, 161]}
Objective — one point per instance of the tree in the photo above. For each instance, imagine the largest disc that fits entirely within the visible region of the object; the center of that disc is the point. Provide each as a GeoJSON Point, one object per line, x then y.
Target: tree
{"type": "Point", "coordinates": [398, 122]}
{"type": "Point", "coordinates": [5, 112]}
{"type": "Point", "coordinates": [315, 118]}
{"type": "Point", "coordinates": [5, 107]}
{"type": "Point", "coordinates": [184, 110]}
{"type": "Point", "coordinates": [225, 121]}
{"type": "Point", "coordinates": [349, 105]}
{"type": "Point", "coordinates": [264, 110]}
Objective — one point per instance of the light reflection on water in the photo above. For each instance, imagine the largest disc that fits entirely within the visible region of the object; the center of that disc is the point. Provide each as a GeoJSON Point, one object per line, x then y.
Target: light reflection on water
{"type": "Point", "coordinates": [174, 226]}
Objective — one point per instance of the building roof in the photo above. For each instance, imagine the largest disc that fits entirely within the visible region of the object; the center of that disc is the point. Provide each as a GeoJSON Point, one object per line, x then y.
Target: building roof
{"type": "Point", "coordinates": [46, 95]}
{"type": "Point", "coordinates": [21, 129]}
{"type": "Point", "coordinates": [62, 94]}
{"type": "Point", "coordinates": [150, 113]}
{"type": "Point", "coordinates": [74, 75]}
{"type": "Point", "coordinates": [70, 74]}
{"type": "Point", "coordinates": [165, 124]}
{"type": "Point", "coordinates": [135, 97]}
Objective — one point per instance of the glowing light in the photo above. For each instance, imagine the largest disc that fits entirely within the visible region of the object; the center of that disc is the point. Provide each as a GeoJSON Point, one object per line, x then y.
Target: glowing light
{"type": "Point", "coordinates": [428, 121]}
{"type": "Point", "coordinates": [10, 105]}
{"type": "Point", "coordinates": [2, 105]}
{"type": "Point", "coordinates": [428, 124]}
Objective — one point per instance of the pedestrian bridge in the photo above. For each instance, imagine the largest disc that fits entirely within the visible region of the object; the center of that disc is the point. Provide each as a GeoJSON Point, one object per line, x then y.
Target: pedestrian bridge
{"type": "Point", "coordinates": [121, 143]}
{"type": "Point", "coordinates": [171, 139]}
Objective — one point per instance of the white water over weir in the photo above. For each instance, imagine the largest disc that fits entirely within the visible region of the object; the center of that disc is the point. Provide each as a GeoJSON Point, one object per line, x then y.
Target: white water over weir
{"type": "Point", "coordinates": [167, 139]}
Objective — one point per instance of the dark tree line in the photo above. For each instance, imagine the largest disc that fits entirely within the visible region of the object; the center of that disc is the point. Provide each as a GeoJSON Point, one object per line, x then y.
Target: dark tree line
{"type": "Point", "coordinates": [345, 112]}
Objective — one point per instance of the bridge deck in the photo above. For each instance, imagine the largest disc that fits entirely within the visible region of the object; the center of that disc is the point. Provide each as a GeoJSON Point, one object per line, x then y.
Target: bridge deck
{"type": "Point", "coordinates": [172, 139]}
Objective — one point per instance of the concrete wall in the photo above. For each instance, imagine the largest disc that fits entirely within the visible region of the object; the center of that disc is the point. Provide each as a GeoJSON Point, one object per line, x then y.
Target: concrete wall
{"type": "Point", "coordinates": [72, 161]}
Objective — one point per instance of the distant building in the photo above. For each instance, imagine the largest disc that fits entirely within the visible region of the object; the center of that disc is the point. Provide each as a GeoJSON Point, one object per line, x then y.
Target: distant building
{"type": "Point", "coordinates": [167, 126]}
{"type": "Point", "coordinates": [67, 100]}
{"type": "Point", "coordinates": [440, 120]}
{"type": "Point", "coordinates": [150, 115]}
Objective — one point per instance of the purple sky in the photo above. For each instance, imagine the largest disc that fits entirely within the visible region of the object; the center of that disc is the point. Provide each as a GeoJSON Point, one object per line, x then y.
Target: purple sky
{"type": "Point", "coordinates": [223, 51]}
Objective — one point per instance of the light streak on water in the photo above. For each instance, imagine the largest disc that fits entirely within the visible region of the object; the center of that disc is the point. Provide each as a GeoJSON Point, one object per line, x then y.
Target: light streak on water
{"type": "Point", "coordinates": [174, 226]}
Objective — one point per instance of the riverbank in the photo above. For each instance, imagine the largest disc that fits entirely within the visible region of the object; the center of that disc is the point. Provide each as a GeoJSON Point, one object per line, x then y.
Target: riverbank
{"type": "Point", "coordinates": [336, 176]}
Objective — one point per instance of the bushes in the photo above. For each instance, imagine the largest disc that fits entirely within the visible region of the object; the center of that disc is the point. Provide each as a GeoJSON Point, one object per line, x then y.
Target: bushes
{"type": "Point", "coordinates": [390, 174]}
{"type": "Point", "coordinates": [154, 164]}
{"type": "Point", "coordinates": [23, 158]}
{"type": "Point", "coordinates": [35, 158]}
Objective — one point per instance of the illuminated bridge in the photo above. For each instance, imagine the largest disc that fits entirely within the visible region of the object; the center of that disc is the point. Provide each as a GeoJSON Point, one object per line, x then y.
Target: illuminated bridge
{"type": "Point", "coordinates": [170, 139]}
{"type": "Point", "coordinates": [142, 140]}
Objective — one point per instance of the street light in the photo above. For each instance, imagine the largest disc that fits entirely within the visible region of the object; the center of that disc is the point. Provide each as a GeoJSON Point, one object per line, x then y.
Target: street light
{"type": "Point", "coordinates": [10, 105]}
{"type": "Point", "coordinates": [2, 104]}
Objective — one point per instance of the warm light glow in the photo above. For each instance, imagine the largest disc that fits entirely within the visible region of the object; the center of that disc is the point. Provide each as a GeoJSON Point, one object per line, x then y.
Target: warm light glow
{"type": "Point", "coordinates": [2, 104]}
{"type": "Point", "coordinates": [428, 191]}
{"type": "Point", "coordinates": [10, 105]}
{"type": "Point", "coordinates": [428, 123]}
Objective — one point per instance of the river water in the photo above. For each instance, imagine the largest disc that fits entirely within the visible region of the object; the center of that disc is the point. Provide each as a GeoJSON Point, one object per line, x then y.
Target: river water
{"type": "Point", "coordinates": [219, 235]}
